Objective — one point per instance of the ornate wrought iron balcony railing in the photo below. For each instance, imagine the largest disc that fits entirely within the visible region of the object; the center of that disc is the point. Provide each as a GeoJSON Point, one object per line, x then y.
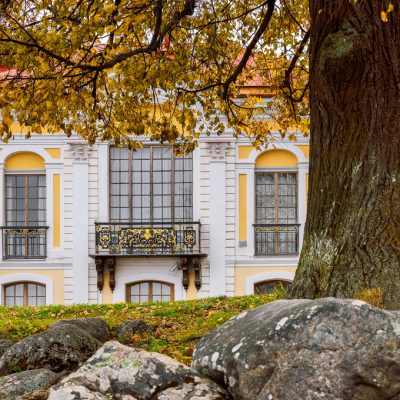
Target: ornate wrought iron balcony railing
{"type": "Point", "coordinates": [25, 242]}
{"type": "Point", "coordinates": [276, 239]}
{"type": "Point", "coordinates": [148, 239]}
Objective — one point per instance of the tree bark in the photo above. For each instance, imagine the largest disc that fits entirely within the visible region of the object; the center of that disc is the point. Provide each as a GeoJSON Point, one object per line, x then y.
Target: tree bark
{"type": "Point", "coordinates": [352, 234]}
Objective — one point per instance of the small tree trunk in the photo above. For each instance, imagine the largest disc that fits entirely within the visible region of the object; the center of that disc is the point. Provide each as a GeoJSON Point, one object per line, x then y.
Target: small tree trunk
{"type": "Point", "coordinates": [352, 234]}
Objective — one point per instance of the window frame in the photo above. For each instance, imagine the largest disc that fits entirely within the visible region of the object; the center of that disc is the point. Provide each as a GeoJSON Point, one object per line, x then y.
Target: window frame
{"type": "Point", "coordinates": [26, 174]}
{"type": "Point", "coordinates": [129, 285]}
{"type": "Point", "coordinates": [276, 282]}
{"type": "Point", "coordinates": [25, 292]}
{"type": "Point", "coordinates": [276, 172]}
{"type": "Point", "coordinates": [130, 207]}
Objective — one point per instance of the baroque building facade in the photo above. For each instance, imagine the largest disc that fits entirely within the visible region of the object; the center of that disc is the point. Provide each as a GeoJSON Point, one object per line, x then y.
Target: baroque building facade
{"type": "Point", "coordinates": [101, 224]}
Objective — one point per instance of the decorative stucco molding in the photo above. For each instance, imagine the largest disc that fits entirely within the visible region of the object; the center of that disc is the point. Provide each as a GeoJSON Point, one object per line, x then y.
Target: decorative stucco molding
{"type": "Point", "coordinates": [218, 150]}
{"type": "Point", "coordinates": [79, 151]}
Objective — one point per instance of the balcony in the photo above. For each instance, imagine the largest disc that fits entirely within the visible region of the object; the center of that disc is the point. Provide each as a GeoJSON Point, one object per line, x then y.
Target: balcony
{"type": "Point", "coordinates": [148, 239]}
{"type": "Point", "coordinates": [24, 242]}
{"type": "Point", "coordinates": [276, 240]}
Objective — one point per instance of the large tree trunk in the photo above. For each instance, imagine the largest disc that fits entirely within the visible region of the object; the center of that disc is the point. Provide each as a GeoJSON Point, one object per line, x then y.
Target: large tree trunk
{"type": "Point", "coordinates": [352, 234]}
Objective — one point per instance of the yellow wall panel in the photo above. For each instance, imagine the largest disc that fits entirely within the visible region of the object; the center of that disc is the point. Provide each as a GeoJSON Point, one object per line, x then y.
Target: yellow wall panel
{"type": "Point", "coordinates": [56, 210]}
{"type": "Point", "coordinates": [54, 153]}
{"type": "Point", "coordinates": [56, 274]}
{"type": "Point", "coordinates": [24, 161]}
{"type": "Point", "coordinates": [305, 148]}
{"type": "Point", "coordinates": [191, 292]}
{"type": "Point", "coordinates": [242, 273]}
{"type": "Point", "coordinates": [106, 292]}
{"type": "Point", "coordinates": [242, 207]}
{"type": "Point", "coordinates": [244, 151]}
{"type": "Point", "coordinates": [276, 158]}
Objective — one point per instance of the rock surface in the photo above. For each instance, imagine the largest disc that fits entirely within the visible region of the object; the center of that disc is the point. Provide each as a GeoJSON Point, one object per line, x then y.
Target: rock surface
{"type": "Point", "coordinates": [327, 349]}
{"type": "Point", "coordinates": [120, 372]}
{"type": "Point", "coordinates": [129, 328]}
{"type": "Point", "coordinates": [96, 327]}
{"type": "Point", "coordinates": [4, 345]}
{"type": "Point", "coordinates": [26, 384]}
{"type": "Point", "coordinates": [64, 347]}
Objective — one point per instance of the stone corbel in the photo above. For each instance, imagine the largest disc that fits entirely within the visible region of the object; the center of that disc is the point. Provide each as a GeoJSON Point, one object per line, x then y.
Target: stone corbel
{"type": "Point", "coordinates": [197, 272]}
{"type": "Point", "coordinates": [100, 269]}
{"type": "Point", "coordinates": [185, 272]}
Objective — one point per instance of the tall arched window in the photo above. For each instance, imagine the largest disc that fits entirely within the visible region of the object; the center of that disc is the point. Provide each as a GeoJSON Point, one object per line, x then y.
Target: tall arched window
{"type": "Point", "coordinates": [24, 235]}
{"type": "Point", "coordinates": [140, 292]}
{"type": "Point", "coordinates": [24, 294]}
{"type": "Point", "coordinates": [276, 204]}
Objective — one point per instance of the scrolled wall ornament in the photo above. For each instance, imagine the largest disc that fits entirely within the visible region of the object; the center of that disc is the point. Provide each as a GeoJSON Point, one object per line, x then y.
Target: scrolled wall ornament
{"type": "Point", "coordinates": [79, 151]}
{"type": "Point", "coordinates": [147, 238]}
{"type": "Point", "coordinates": [218, 150]}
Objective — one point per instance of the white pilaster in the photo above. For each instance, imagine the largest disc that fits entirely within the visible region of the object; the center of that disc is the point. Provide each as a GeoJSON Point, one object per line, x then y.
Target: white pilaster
{"type": "Point", "coordinates": [217, 153]}
{"type": "Point", "coordinates": [80, 258]}
{"type": "Point", "coordinates": [303, 171]}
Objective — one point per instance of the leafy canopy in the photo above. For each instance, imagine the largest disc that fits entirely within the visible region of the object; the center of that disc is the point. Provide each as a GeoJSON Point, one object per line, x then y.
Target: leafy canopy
{"type": "Point", "coordinates": [168, 69]}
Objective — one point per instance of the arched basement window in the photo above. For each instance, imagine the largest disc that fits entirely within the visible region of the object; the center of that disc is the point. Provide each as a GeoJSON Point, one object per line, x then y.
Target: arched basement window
{"type": "Point", "coordinates": [24, 294]}
{"type": "Point", "coordinates": [140, 292]}
{"type": "Point", "coordinates": [269, 287]}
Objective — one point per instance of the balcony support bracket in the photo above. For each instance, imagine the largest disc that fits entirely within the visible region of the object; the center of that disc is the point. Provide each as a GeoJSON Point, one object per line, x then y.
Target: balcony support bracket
{"type": "Point", "coordinates": [185, 272]}
{"type": "Point", "coordinates": [100, 272]}
{"type": "Point", "coordinates": [197, 272]}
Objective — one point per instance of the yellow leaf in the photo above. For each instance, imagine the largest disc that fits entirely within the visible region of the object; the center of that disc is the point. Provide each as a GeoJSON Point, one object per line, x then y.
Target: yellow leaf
{"type": "Point", "coordinates": [390, 8]}
{"type": "Point", "coordinates": [384, 17]}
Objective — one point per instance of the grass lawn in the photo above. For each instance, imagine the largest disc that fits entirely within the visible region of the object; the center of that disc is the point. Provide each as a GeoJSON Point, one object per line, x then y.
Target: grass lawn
{"type": "Point", "coordinates": [178, 325]}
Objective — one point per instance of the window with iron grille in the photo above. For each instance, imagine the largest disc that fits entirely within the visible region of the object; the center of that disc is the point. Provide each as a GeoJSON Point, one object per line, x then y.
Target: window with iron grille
{"type": "Point", "coordinates": [25, 207]}
{"type": "Point", "coordinates": [276, 229]}
{"type": "Point", "coordinates": [150, 184]}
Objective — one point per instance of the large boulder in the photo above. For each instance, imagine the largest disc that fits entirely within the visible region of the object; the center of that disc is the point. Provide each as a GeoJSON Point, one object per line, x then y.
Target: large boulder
{"type": "Point", "coordinates": [27, 384]}
{"type": "Point", "coordinates": [96, 327]}
{"type": "Point", "coordinates": [301, 349]}
{"type": "Point", "coordinates": [4, 345]}
{"type": "Point", "coordinates": [120, 372]}
{"type": "Point", "coordinates": [133, 327]}
{"type": "Point", "coordinates": [64, 347]}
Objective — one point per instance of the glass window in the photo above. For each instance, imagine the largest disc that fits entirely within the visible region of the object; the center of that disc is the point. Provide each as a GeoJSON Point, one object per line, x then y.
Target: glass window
{"type": "Point", "coordinates": [140, 292]}
{"type": "Point", "coordinates": [24, 294]}
{"type": "Point", "coordinates": [150, 184]}
{"type": "Point", "coordinates": [276, 213]}
{"type": "Point", "coordinates": [25, 200]}
{"type": "Point", "coordinates": [269, 287]}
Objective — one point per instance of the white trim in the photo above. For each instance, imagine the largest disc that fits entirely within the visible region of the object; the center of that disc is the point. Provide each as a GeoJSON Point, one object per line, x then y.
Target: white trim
{"type": "Point", "coordinates": [267, 276]}
{"type": "Point", "coordinates": [45, 280]}
{"type": "Point", "coordinates": [121, 282]}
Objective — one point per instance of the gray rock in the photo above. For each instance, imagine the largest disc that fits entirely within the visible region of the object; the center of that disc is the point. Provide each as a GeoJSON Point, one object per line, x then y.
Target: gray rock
{"type": "Point", "coordinates": [64, 347]}
{"type": "Point", "coordinates": [26, 384]}
{"type": "Point", "coordinates": [120, 372]}
{"type": "Point", "coordinates": [327, 349]}
{"type": "Point", "coordinates": [96, 327]}
{"type": "Point", "coordinates": [4, 345]}
{"type": "Point", "coordinates": [129, 328]}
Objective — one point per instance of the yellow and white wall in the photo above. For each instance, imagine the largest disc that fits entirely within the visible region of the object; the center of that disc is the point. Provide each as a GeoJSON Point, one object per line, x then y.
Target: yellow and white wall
{"type": "Point", "coordinates": [77, 189]}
